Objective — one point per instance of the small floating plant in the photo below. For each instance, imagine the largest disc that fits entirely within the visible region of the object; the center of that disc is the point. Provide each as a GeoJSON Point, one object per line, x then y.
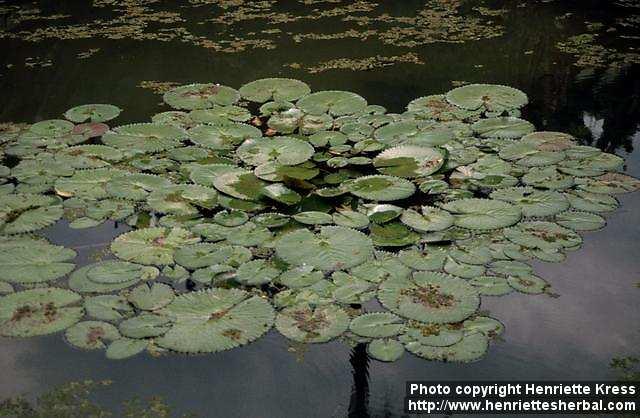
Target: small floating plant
{"type": "Point", "coordinates": [273, 206]}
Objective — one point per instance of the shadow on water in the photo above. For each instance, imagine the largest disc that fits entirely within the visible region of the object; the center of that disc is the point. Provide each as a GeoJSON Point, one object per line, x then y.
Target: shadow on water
{"type": "Point", "coordinates": [359, 402]}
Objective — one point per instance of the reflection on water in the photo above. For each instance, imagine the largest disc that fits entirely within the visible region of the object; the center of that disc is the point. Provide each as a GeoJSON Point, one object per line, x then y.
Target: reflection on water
{"type": "Point", "coordinates": [359, 404]}
{"type": "Point", "coordinates": [570, 337]}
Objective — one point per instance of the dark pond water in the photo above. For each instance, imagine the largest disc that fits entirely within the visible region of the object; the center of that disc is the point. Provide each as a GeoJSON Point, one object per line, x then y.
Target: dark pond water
{"type": "Point", "coordinates": [573, 336]}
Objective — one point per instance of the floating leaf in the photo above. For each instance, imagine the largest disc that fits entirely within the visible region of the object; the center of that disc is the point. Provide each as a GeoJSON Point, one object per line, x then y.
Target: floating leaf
{"type": "Point", "coordinates": [491, 285]}
{"type": "Point", "coordinates": [91, 335]}
{"type": "Point", "coordinates": [381, 188]}
{"type": "Point", "coordinates": [92, 113]}
{"type": "Point", "coordinates": [392, 235]}
{"type": "Point", "coordinates": [145, 325]}
{"type": "Point", "coordinates": [282, 150]}
{"type": "Point", "coordinates": [377, 325]}
{"type": "Point", "coordinates": [528, 284]}
{"type": "Point", "coordinates": [533, 203]}
{"type": "Point", "coordinates": [313, 218]}
{"type": "Point", "coordinates": [483, 213]}
{"type": "Point", "coordinates": [334, 248]}
{"type": "Point", "coordinates": [492, 97]}
{"type": "Point", "coordinates": [214, 320]}
{"type": "Point", "coordinates": [151, 297]}
{"type": "Point", "coordinates": [256, 272]}
{"type": "Point", "coordinates": [336, 103]}
{"type": "Point", "coordinates": [435, 335]}
{"type": "Point", "coordinates": [431, 219]}
{"type": "Point", "coordinates": [151, 245]}
{"type": "Point", "coordinates": [38, 311]}
{"type": "Point", "coordinates": [385, 349]}
{"type": "Point", "coordinates": [107, 307]}
{"type": "Point", "coordinates": [470, 348]}
{"type": "Point", "coordinates": [502, 127]}
{"type": "Point", "coordinates": [580, 221]}
{"type": "Point", "coordinates": [350, 219]}
{"type": "Point", "coordinates": [125, 347]}
{"type": "Point", "coordinates": [409, 161]}
{"type": "Point", "coordinates": [27, 261]}
{"type": "Point", "coordinates": [308, 324]}
{"type": "Point", "coordinates": [430, 297]}
{"type": "Point", "coordinates": [277, 89]}
{"type": "Point", "coordinates": [200, 96]}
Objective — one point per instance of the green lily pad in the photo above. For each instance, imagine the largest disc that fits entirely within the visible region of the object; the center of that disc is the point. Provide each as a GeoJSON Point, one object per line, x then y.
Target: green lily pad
{"type": "Point", "coordinates": [313, 218]}
{"type": "Point", "coordinates": [281, 150]}
{"type": "Point", "coordinates": [580, 221]}
{"type": "Point", "coordinates": [334, 248]}
{"type": "Point", "coordinates": [38, 312]}
{"type": "Point", "coordinates": [431, 219]}
{"type": "Point", "coordinates": [277, 89]}
{"type": "Point", "coordinates": [528, 284]}
{"type": "Point", "coordinates": [200, 96]}
{"type": "Point", "coordinates": [381, 188]}
{"type": "Point", "coordinates": [336, 103]}
{"type": "Point", "coordinates": [125, 347]}
{"type": "Point", "coordinates": [92, 113]}
{"type": "Point", "coordinates": [483, 214]}
{"type": "Point", "coordinates": [308, 324]}
{"type": "Point", "coordinates": [430, 297]}
{"type": "Point", "coordinates": [392, 234]}
{"type": "Point", "coordinates": [491, 285]}
{"type": "Point", "coordinates": [533, 203]}
{"type": "Point", "coordinates": [490, 97]}
{"type": "Point", "coordinates": [377, 325]}
{"type": "Point", "coordinates": [502, 127]}
{"type": "Point", "coordinates": [385, 349]}
{"type": "Point", "coordinates": [409, 161]}
{"type": "Point", "coordinates": [145, 325]}
{"type": "Point", "coordinates": [215, 320]}
{"type": "Point", "coordinates": [151, 297]}
{"type": "Point", "coordinates": [107, 307]}
{"type": "Point", "coordinates": [91, 335]}
{"type": "Point", "coordinates": [27, 261]}
{"type": "Point", "coordinates": [470, 348]}
{"type": "Point", "coordinates": [256, 272]}
{"type": "Point", "coordinates": [151, 245]}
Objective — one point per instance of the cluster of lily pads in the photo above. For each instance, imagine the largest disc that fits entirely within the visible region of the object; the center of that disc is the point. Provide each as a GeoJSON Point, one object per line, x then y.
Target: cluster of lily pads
{"type": "Point", "coordinates": [275, 206]}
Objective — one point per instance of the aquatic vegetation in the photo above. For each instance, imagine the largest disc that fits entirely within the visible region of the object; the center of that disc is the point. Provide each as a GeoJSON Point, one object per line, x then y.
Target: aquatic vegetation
{"type": "Point", "coordinates": [220, 27]}
{"type": "Point", "coordinates": [359, 64]}
{"type": "Point", "coordinates": [272, 206]}
{"type": "Point", "coordinates": [76, 400]}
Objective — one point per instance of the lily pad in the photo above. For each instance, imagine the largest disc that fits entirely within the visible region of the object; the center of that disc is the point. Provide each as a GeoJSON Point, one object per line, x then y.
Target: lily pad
{"type": "Point", "coordinates": [430, 297]}
{"type": "Point", "coordinates": [334, 248]}
{"type": "Point", "coordinates": [490, 97]}
{"type": "Point", "coordinates": [308, 324]}
{"type": "Point", "coordinates": [200, 96]}
{"type": "Point", "coordinates": [385, 349]}
{"type": "Point", "coordinates": [277, 89]}
{"type": "Point", "coordinates": [91, 335]}
{"type": "Point", "coordinates": [580, 221]}
{"type": "Point", "coordinates": [409, 161]}
{"type": "Point", "coordinates": [377, 325]}
{"type": "Point", "coordinates": [215, 320]}
{"type": "Point", "coordinates": [151, 245]}
{"type": "Point", "coordinates": [381, 188]}
{"type": "Point", "coordinates": [28, 261]}
{"type": "Point", "coordinates": [38, 312]}
{"type": "Point", "coordinates": [151, 297]}
{"type": "Point", "coordinates": [334, 102]}
{"type": "Point", "coordinates": [92, 113]}
{"type": "Point", "coordinates": [483, 214]}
